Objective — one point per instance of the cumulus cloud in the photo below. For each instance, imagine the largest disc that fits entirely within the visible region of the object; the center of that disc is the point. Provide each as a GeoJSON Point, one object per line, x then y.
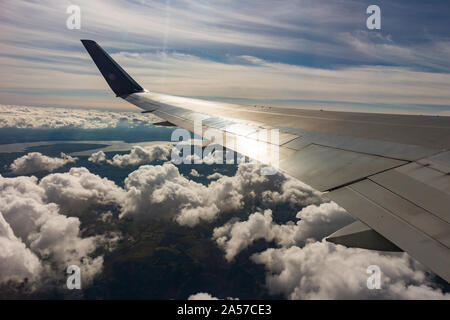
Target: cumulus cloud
{"type": "Point", "coordinates": [315, 223]}
{"type": "Point", "coordinates": [194, 173]}
{"type": "Point", "coordinates": [97, 157]}
{"type": "Point", "coordinates": [36, 161]}
{"type": "Point", "coordinates": [106, 217]}
{"type": "Point", "coordinates": [76, 190]}
{"type": "Point", "coordinates": [39, 241]}
{"type": "Point", "coordinates": [17, 262]}
{"type": "Point", "coordinates": [142, 155]}
{"type": "Point", "coordinates": [292, 191]}
{"type": "Point", "coordinates": [322, 270]}
{"type": "Point", "coordinates": [234, 237]}
{"type": "Point", "coordinates": [161, 191]}
{"type": "Point", "coordinates": [47, 117]}
{"type": "Point", "coordinates": [304, 266]}
{"type": "Point", "coordinates": [206, 296]}
{"type": "Point", "coordinates": [202, 296]}
{"type": "Point", "coordinates": [215, 175]}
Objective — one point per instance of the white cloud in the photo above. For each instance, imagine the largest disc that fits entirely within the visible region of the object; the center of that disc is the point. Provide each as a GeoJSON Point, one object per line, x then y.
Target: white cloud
{"type": "Point", "coordinates": [202, 296]}
{"type": "Point", "coordinates": [142, 155]}
{"type": "Point", "coordinates": [235, 236]}
{"type": "Point", "coordinates": [206, 296]}
{"type": "Point", "coordinates": [214, 176]}
{"type": "Point", "coordinates": [37, 229]}
{"type": "Point", "coordinates": [97, 157]}
{"type": "Point", "coordinates": [161, 191]}
{"type": "Point", "coordinates": [76, 190]}
{"type": "Point", "coordinates": [315, 223]}
{"type": "Point", "coordinates": [193, 216]}
{"type": "Point", "coordinates": [36, 161]}
{"type": "Point", "coordinates": [17, 262]}
{"type": "Point", "coordinates": [322, 270]}
{"type": "Point", "coordinates": [194, 173]}
{"type": "Point", "coordinates": [106, 217]}
{"type": "Point", "coordinates": [292, 191]}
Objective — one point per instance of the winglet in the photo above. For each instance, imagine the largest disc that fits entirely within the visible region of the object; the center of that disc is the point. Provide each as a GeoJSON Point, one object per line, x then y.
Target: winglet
{"type": "Point", "coordinates": [119, 81]}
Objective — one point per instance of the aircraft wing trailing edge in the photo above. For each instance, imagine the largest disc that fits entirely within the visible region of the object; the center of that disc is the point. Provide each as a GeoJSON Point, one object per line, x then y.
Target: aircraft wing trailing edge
{"type": "Point", "coordinates": [391, 172]}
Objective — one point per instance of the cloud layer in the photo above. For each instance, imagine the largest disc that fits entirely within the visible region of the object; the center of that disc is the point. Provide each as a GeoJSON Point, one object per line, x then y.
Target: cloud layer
{"type": "Point", "coordinates": [40, 117]}
{"type": "Point", "coordinates": [40, 233]}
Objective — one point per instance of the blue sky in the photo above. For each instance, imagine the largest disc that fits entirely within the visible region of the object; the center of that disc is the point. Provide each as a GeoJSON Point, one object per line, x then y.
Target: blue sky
{"type": "Point", "coordinates": [313, 54]}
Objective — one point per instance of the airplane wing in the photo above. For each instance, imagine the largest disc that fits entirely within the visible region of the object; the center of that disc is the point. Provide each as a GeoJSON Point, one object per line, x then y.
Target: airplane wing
{"type": "Point", "coordinates": [391, 172]}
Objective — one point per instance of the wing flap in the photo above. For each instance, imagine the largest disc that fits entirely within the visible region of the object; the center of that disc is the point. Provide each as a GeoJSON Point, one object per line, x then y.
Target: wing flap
{"type": "Point", "coordinates": [431, 199]}
{"type": "Point", "coordinates": [390, 216]}
{"type": "Point", "coordinates": [359, 235]}
{"type": "Point", "coordinates": [362, 145]}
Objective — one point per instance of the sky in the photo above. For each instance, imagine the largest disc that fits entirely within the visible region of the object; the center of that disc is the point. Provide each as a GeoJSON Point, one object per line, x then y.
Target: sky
{"type": "Point", "coordinates": [311, 54]}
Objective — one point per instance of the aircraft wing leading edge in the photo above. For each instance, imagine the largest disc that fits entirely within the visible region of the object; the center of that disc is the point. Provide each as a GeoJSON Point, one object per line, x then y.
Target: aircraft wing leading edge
{"type": "Point", "coordinates": [391, 172]}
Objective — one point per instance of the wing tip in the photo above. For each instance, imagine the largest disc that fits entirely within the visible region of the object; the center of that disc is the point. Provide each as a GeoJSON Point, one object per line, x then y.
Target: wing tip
{"type": "Point", "coordinates": [118, 80]}
{"type": "Point", "coordinates": [88, 42]}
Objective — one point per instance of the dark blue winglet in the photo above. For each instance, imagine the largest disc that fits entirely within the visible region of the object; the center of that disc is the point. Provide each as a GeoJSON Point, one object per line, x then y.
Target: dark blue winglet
{"type": "Point", "coordinates": [119, 81]}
